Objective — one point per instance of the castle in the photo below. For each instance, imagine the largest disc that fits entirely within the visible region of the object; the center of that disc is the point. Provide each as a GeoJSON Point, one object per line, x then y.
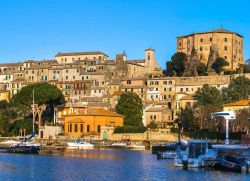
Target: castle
{"type": "Point", "coordinates": [229, 45]}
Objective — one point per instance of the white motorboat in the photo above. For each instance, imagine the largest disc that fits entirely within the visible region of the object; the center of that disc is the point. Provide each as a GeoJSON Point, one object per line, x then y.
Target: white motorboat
{"type": "Point", "coordinates": [198, 154]}
{"type": "Point", "coordinates": [124, 145]}
{"type": "Point", "coordinates": [80, 145]}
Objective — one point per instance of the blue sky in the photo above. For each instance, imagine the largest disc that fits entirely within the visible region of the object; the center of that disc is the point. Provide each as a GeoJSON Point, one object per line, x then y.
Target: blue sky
{"type": "Point", "coordinates": [38, 29]}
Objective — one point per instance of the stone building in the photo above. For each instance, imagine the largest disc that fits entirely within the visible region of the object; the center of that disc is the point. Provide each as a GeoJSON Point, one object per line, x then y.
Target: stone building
{"type": "Point", "coordinates": [228, 43]}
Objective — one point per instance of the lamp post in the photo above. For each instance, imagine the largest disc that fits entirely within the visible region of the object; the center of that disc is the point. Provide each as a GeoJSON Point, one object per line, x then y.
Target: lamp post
{"type": "Point", "coordinates": [227, 115]}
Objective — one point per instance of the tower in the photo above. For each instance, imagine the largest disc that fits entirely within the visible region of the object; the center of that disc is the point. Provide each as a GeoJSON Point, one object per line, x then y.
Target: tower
{"type": "Point", "coordinates": [150, 63]}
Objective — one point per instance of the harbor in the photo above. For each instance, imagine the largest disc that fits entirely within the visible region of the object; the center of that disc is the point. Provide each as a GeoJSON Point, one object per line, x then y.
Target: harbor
{"type": "Point", "coordinates": [102, 165]}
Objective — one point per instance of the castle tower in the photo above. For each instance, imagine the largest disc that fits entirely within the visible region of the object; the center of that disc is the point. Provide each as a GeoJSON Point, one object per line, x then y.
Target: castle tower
{"type": "Point", "coordinates": [150, 62]}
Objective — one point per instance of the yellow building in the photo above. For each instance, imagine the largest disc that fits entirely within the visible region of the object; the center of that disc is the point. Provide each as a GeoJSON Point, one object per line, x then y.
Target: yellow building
{"type": "Point", "coordinates": [5, 96]}
{"type": "Point", "coordinates": [80, 120]}
{"type": "Point", "coordinates": [229, 45]}
{"type": "Point", "coordinates": [238, 105]}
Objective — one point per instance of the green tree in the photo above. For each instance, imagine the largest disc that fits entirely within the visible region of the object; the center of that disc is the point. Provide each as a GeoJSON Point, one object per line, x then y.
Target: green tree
{"type": "Point", "coordinates": [177, 64]}
{"type": "Point", "coordinates": [186, 118]}
{"type": "Point", "coordinates": [202, 69]}
{"type": "Point", "coordinates": [209, 99]}
{"type": "Point", "coordinates": [7, 117]}
{"type": "Point", "coordinates": [219, 64]}
{"type": "Point", "coordinates": [44, 93]}
{"type": "Point", "coordinates": [169, 69]}
{"type": "Point", "coordinates": [130, 105]}
{"type": "Point", "coordinates": [238, 89]}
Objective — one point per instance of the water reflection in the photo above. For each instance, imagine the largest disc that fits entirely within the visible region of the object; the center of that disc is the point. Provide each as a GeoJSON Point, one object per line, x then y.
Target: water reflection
{"type": "Point", "coordinates": [102, 165]}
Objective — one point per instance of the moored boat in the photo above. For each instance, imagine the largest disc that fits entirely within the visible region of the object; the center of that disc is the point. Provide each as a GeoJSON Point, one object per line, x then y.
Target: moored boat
{"type": "Point", "coordinates": [80, 145]}
{"type": "Point", "coordinates": [198, 154]}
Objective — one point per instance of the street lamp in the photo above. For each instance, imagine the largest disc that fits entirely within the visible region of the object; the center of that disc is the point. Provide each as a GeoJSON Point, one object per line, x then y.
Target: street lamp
{"type": "Point", "coordinates": [228, 115]}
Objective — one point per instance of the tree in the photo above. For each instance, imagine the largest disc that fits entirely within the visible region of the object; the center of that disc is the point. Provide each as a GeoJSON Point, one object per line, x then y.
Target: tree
{"type": "Point", "coordinates": [177, 64]}
{"type": "Point", "coordinates": [130, 105]}
{"type": "Point", "coordinates": [169, 69]}
{"type": "Point", "coordinates": [44, 93]}
{"type": "Point", "coordinates": [201, 69]}
{"type": "Point", "coordinates": [238, 89]}
{"type": "Point", "coordinates": [219, 64]}
{"type": "Point", "coordinates": [186, 119]}
{"type": "Point", "coordinates": [209, 99]}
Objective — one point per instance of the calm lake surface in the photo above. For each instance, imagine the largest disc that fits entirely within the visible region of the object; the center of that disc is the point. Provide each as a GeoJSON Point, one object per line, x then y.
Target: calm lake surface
{"type": "Point", "coordinates": [102, 165]}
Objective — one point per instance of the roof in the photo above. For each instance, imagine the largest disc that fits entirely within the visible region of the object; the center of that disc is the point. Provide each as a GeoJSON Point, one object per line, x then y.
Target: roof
{"type": "Point", "coordinates": [245, 102]}
{"type": "Point", "coordinates": [136, 61]}
{"type": "Point", "coordinates": [95, 112]}
{"type": "Point", "coordinates": [73, 105]}
{"type": "Point", "coordinates": [149, 49]}
{"type": "Point", "coordinates": [117, 93]}
{"type": "Point", "coordinates": [213, 31]}
{"type": "Point", "coordinates": [59, 54]}
{"type": "Point", "coordinates": [187, 97]}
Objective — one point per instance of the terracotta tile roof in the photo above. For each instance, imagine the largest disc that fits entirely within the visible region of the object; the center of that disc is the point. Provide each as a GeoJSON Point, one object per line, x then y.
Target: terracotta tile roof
{"type": "Point", "coordinates": [187, 97]}
{"type": "Point", "coordinates": [245, 102]}
{"type": "Point", "coordinates": [117, 93]}
{"type": "Point", "coordinates": [95, 112]}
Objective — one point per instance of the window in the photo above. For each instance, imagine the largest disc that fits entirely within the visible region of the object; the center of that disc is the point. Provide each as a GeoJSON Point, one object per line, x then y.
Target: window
{"type": "Point", "coordinates": [179, 43]}
{"type": "Point", "coordinates": [98, 128]}
{"type": "Point", "coordinates": [164, 82]}
{"type": "Point", "coordinates": [201, 40]}
{"type": "Point", "coordinates": [165, 89]}
{"type": "Point", "coordinates": [170, 89]}
{"type": "Point", "coordinates": [156, 83]}
{"type": "Point", "coordinates": [128, 81]}
{"type": "Point", "coordinates": [151, 83]}
{"type": "Point", "coordinates": [66, 77]}
{"type": "Point", "coordinates": [156, 89]}
{"type": "Point", "coordinates": [225, 48]}
{"type": "Point", "coordinates": [81, 128]}
{"type": "Point", "coordinates": [67, 71]}
{"type": "Point", "coordinates": [76, 128]}
{"type": "Point", "coordinates": [225, 39]}
{"type": "Point", "coordinates": [211, 39]}
{"type": "Point", "coordinates": [181, 89]}
{"type": "Point", "coordinates": [170, 82]}
{"type": "Point", "coordinates": [201, 49]}
{"type": "Point", "coordinates": [165, 96]}
{"type": "Point", "coordinates": [74, 77]}
{"type": "Point", "coordinates": [88, 128]}
{"type": "Point", "coordinates": [151, 116]}
{"type": "Point", "coordinates": [148, 56]}
{"type": "Point", "coordinates": [70, 127]}
{"type": "Point", "coordinates": [186, 89]}
{"type": "Point", "coordinates": [225, 57]}
{"type": "Point", "coordinates": [154, 116]}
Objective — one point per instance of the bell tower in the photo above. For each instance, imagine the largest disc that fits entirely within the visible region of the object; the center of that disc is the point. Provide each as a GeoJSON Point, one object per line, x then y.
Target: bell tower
{"type": "Point", "coordinates": [150, 63]}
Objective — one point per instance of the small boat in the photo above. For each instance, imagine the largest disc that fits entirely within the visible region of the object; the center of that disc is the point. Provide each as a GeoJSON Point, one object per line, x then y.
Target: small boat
{"type": "Point", "coordinates": [166, 155]}
{"type": "Point", "coordinates": [232, 163]}
{"type": "Point", "coordinates": [24, 148]}
{"type": "Point", "coordinates": [126, 145]}
{"type": "Point", "coordinates": [199, 153]}
{"type": "Point", "coordinates": [80, 145]}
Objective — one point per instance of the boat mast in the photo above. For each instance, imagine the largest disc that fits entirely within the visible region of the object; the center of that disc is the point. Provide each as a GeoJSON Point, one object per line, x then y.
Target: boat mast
{"type": "Point", "coordinates": [33, 113]}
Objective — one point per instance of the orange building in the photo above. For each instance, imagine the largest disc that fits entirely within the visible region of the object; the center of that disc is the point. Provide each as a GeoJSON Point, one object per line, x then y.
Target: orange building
{"type": "Point", "coordinates": [238, 105]}
{"type": "Point", "coordinates": [81, 120]}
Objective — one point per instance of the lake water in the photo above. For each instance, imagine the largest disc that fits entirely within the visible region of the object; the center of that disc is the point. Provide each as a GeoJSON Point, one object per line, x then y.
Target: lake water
{"type": "Point", "coordinates": [102, 165]}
